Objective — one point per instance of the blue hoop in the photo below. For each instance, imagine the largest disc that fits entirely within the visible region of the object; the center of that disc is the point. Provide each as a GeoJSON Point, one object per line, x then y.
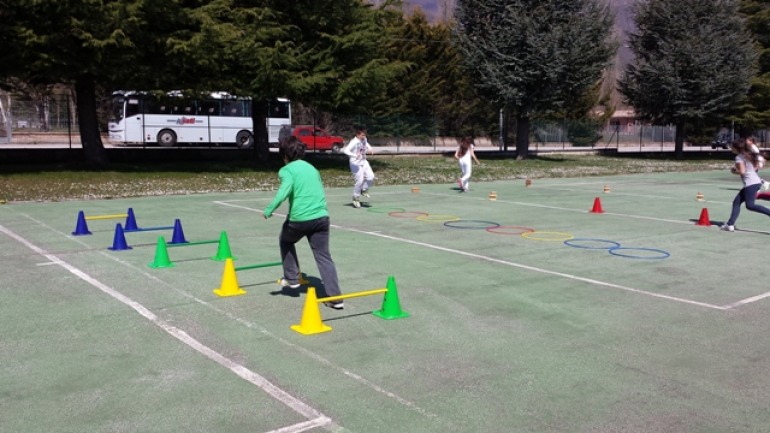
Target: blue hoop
{"type": "Point", "coordinates": [663, 254]}
{"type": "Point", "coordinates": [459, 224]}
{"type": "Point", "coordinates": [571, 242]}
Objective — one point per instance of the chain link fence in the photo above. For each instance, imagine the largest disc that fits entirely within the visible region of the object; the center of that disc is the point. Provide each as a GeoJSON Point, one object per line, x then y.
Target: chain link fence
{"type": "Point", "coordinates": [52, 120]}
{"type": "Point", "coordinates": [49, 120]}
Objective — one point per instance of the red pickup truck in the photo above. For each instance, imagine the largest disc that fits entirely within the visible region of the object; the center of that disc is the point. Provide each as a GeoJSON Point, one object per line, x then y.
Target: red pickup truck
{"type": "Point", "coordinates": [316, 138]}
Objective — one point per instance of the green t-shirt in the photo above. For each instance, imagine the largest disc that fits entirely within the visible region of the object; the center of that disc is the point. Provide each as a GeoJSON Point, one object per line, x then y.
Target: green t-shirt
{"type": "Point", "coordinates": [301, 184]}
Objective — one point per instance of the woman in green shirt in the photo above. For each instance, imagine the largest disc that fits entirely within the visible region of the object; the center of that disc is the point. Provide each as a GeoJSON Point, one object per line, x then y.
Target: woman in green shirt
{"type": "Point", "coordinates": [308, 217]}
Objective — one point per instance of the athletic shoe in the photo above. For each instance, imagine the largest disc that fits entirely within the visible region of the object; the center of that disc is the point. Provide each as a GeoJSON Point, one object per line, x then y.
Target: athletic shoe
{"type": "Point", "coordinates": [338, 305]}
{"type": "Point", "coordinates": [765, 185]}
{"type": "Point", "coordinates": [365, 193]}
{"type": "Point", "coordinates": [356, 203]}
{"type": "Point", "coordinates": [726, 227]}
{"type": "Point", "coordinates": [285, 283]}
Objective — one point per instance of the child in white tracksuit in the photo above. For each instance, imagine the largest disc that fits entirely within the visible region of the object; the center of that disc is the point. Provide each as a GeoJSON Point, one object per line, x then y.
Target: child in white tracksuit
{"type": "Point", "coordinates": [362, 172]}
{"type": "Point", "coordinates": [465, 156]}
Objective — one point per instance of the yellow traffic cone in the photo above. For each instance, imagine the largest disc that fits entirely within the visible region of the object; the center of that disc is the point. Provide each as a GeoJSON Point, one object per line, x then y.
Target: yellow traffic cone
{"type": "Point", "coordinates": [229, 285]}
{"type": "Point", "coordinates": [311, 316]}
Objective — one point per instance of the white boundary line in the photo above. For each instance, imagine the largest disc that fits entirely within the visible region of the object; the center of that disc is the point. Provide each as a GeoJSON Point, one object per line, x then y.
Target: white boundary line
{"type": "Point", "coordinates": [315, 417]}
{"type": "Point", "coordinates": [507, 263]}
{"type": "Point", "coordinates": [251, 325]}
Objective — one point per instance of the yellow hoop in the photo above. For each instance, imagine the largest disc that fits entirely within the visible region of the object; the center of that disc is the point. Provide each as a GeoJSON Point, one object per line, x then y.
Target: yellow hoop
{"type": "Point", "coordinates": [547, 236]}
{"type": "Point", "coordinates": [437, 218]}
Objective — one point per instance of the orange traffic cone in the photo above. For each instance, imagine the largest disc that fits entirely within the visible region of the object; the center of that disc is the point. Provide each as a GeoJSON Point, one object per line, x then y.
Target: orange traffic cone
{"type": "Point", "coordinates": [597, 206]}
{"type": "Point", "coordinates": [704, 219]}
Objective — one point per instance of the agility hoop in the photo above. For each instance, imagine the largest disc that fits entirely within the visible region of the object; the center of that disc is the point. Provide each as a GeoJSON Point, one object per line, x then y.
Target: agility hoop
{"type": "Point", "coordinates": [588, 244]}
{"type": "Point", "coordinates": [547, 236]}
{"type": "Point", "coordinates": [471, 224]}
{"type": "Point", "coordinates": [509, 230]}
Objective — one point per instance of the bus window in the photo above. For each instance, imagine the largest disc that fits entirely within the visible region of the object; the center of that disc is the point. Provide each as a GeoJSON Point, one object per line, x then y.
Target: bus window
{"type": "Point", "coordinates": [208, 108]}
{"type": "Point", "coordinates": [186, 108]}
{"type": "Point", "coordinates": [232, 108]}
{"type": "Point", "coordinates": [279, 109]}
{"type": "Point", "coordinates": [133, 106]}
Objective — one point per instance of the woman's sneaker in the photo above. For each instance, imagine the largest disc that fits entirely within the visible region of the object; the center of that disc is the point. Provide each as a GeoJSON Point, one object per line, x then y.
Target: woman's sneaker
{"type": "Point", "coordinates": [285, 283]}
{"type": "Point", "coordinates": [356, 203]}
{"type": "Point", "coordinates": [338, 305]}
{"type": "Point", "coordinates": [726, 227]}
{"type": "Point", "coordinates": [365, 193]}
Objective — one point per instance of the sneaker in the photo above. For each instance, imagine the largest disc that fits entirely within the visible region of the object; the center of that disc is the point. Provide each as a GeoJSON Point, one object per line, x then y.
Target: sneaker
{"type": "Point", "coordinates": [726, 227]}
{"type": "Point", "coordinates": [338, 305]}
{"type": "Point", "coordinates": [765, 185]}
{"type": "Point", "coordinates": [285, 283]}
{"type": "Point", "coordinates": [365, 193]}
{"type": "Point", "coordinates": [356, 203]}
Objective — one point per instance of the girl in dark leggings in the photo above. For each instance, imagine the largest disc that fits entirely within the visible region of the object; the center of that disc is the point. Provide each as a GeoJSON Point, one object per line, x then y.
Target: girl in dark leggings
{"type": "Point", "coordinates": [745, 163]}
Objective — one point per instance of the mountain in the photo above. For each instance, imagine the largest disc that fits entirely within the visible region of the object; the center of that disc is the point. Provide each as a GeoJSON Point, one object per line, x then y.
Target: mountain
{"type": "Point", "coordinates": [442, 9]}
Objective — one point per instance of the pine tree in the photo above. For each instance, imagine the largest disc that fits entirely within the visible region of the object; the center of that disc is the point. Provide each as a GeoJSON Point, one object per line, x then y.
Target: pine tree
{"type": "Point", "coordinates": [754, 111]}
{"type": "Point", "coordinates": [693, 59]}
{"type": "Point", "coordinates": [534, 57]}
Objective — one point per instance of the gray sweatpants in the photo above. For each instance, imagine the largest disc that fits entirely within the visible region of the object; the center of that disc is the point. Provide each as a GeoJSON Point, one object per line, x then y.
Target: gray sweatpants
{"type": "Point", "coordinates": [317, 233]}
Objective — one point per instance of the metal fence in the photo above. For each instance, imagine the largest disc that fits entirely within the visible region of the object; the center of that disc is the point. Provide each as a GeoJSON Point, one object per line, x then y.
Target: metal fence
{"type": "Point", "coordinates": [49, 120]}
{"type": "Point", "coordinates": [52, 120]}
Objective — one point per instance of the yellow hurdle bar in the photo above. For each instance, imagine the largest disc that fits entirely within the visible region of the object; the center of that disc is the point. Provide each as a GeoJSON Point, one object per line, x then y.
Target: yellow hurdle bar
{"type": "Point", "coordinates": [107, 217]}
{"type": "Point", "coordinates": [353, 295]}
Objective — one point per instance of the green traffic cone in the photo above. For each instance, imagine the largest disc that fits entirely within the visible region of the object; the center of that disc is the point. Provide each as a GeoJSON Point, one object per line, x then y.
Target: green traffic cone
{"type": "Point", "coordinates": [223, 252]}
{"type": "Point", "coordinates": [391, 307]}
{"type": "Point", "coordinates": [161, 255]}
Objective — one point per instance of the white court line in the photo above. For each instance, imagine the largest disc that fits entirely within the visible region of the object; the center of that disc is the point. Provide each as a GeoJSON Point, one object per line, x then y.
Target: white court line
{"type": "Point", "coordinates": [748, 300]}
{"type": "Point", "coordinates": [318, 358]}
{"type": "Point", "coordinates": [303, 426]}
{"type": "Point", "coordinates": [243, 372]}
{"type": "Point", "coordinates": [516, 265]}
{"type": "Point", "coordinates": [543, 206]}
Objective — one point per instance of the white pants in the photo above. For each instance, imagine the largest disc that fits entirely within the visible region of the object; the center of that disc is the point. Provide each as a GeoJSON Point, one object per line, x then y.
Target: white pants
{"type": "Point", "coordinates": [363, 176]}
{"type": "Point", "coordinates": [465, 168]}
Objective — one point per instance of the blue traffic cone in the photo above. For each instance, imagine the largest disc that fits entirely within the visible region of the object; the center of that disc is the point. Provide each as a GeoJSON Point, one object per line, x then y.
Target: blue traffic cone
{"type": "Point", "coordinates": [131, 221]}
{"type": "Point", "coordinates": [178, 236]}
{"type": "Point", "coordinates": [119, 243]}
{"type": "Point", "coordinates": [81, 228]}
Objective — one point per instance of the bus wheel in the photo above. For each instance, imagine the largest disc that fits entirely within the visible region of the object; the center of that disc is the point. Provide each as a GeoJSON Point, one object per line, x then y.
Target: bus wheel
{"type": "Point", "coordinates": [166, 138]}
{"type": "Point", "coordinates": [244, 140]}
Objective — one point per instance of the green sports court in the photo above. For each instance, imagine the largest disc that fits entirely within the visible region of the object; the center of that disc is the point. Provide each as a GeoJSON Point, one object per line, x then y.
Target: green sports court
{"type": "Point", "coordinates": [572, 305]}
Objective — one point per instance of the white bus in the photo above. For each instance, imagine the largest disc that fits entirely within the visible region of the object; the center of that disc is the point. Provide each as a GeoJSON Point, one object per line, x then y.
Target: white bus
{"type": "Point", "coordinates": [218, 118]}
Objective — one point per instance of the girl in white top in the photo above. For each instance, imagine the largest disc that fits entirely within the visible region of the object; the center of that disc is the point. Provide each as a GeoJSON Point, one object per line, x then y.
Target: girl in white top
{"type": "Point", "coordinates": [362, 172]}
{"type": "Point", "coordinates": [465, 156]}
{"type": "Point", "coordinates": [760, 161]}
{"type": "Point", "coordinates": [745, 163]}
